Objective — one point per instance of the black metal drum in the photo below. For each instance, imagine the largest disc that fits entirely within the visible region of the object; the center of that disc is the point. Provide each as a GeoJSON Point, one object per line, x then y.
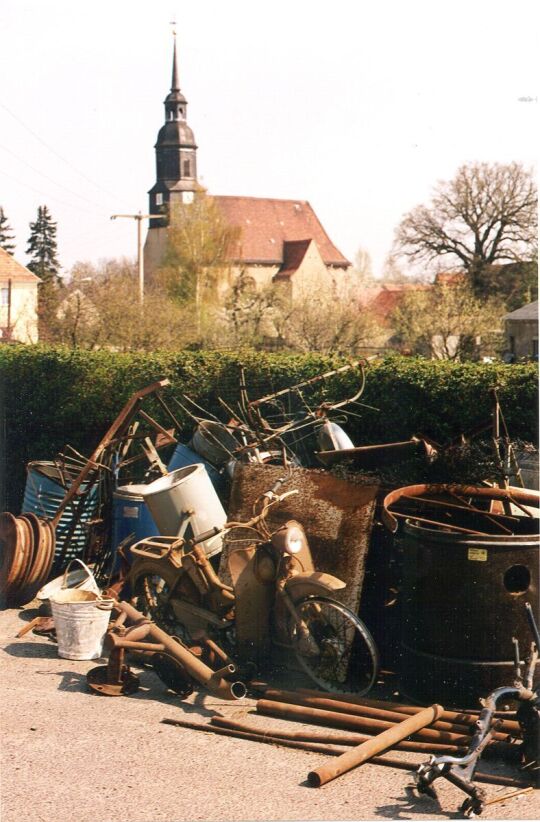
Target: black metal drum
{"type": "Point", "coordinates": [463, 601]}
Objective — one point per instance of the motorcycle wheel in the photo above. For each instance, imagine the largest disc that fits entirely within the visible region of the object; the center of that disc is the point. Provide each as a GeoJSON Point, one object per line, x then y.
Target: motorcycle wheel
{"type": "Point", "coordinates": [338, 653]}
{"type": "Point", "coordinates": [151, 595]}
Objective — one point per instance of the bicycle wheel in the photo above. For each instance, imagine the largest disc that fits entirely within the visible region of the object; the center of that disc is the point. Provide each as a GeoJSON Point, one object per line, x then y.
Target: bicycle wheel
{"type": "Point", "coordinates": [333, 646]}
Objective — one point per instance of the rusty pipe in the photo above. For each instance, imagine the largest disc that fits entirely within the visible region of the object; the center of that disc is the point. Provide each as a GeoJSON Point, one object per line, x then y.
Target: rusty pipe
{"type": "Point", "coordinates": [367, 750]}
{"type": "Point", "coordinates": [114, 641]}
{"type": "Point", "coordinates": [197, 669]}
{"type": "Point", "coordinates": [350, 722]}
{"type": "Point", "coordinates": [332, 739]}
{"type": "Point", "coordinates": [491, 779]}
{"type": "Point", "coordinates": [367, 711]}
{"type": "Point", "coordinates": [508, 726]}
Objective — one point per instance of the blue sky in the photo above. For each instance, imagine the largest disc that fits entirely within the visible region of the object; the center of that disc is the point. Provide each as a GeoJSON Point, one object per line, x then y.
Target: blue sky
{"type": "Point", "coordinates": [359, 108]}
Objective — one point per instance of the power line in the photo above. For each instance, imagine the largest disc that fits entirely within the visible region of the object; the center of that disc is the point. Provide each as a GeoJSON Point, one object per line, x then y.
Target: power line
{"type": "Point", "coordinates": [60, 157]}
{"type": "Point", "coordinates": [50, 179]}
{"type": "Point", "coordinates": [48, 195]}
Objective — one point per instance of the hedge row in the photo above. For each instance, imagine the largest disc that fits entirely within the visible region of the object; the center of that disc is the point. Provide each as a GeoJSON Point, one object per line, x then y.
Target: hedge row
{"type": "Point", "coordinates": [52, 396]}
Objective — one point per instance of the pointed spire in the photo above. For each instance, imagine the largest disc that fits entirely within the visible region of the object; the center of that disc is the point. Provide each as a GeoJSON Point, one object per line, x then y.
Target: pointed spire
{"type": "Point", "coordinates": [175, 85]}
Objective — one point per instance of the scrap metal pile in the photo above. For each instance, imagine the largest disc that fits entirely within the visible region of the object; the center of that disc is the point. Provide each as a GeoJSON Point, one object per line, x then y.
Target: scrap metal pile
{"type": "Point", "coordinates": [240, 557]}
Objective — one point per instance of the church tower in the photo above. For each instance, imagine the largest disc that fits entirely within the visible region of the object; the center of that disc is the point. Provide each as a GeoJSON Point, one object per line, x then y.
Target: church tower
{"type": "Point", "coordinates": [176, 155]}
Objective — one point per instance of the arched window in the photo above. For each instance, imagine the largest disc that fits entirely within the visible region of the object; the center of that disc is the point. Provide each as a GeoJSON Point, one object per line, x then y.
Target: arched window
{"type": "Point", "coordinates": [187, 168]}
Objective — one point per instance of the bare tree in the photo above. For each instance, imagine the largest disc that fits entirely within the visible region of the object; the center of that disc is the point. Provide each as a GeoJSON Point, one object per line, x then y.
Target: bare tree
{"type": "Point", "coordinates": [330, 326]}
{"type": "Point", "coordinates": [486, 215]}
{"type": "Point", "coordinates": [448, 322]}
{"type": "Point", "coordinates": [363, 268]}
{"type": "Point", "coordinates": [100, 308]}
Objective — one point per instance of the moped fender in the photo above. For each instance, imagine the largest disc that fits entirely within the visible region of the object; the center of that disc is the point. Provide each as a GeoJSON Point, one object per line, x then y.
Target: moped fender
{"type": "Point", "coordinates": [313, 583]}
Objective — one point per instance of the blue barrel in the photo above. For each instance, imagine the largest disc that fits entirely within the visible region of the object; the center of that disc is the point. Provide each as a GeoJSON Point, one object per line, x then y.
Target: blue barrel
{"type": "Point", "coordinates": [131, 516]}
{"type": "Point", "coordinates": [184, 456]}
{"type": "Point", "coordinates": [44, 491]}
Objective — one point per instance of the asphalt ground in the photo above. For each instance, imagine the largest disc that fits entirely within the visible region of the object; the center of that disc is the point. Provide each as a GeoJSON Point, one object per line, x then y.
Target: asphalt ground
{"type": "Point", "coordinates": [68, 755]}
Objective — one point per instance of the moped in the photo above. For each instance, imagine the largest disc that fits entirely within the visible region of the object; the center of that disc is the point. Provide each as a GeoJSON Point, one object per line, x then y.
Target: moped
{"type": "Point", "coordinates": [277, 599]}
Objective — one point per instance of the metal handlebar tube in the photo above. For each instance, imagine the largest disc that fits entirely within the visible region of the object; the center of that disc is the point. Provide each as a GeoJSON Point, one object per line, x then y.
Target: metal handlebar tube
{"type": "Point", "coordinates": [532, 624]}
{"type": "Point", "coordinates": [212, 532]}
{"type": "Point", "coordinates": [460, 770]}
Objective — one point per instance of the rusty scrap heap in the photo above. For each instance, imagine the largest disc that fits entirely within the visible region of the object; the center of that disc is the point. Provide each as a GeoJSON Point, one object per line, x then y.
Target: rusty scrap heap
{"type": "Point", "coordinates": [268, 542]}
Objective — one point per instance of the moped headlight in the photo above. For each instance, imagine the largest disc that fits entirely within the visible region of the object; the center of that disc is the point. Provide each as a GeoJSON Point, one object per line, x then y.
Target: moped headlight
{"type": "Point", "coordinates": [290, 539]}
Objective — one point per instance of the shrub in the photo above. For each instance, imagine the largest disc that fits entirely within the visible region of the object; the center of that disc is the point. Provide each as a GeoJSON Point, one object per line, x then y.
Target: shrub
{"type": "Point", "coordinates": [52, 395]}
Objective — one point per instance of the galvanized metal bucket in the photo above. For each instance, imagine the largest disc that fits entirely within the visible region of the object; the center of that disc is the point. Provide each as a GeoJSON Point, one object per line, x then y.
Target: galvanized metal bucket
{"type": "Point", "coordinates": [214, 442]}
{"type": "Point", "coordinates": [81, 619]}
{"type": "Point", "coordinates": [81, 579]}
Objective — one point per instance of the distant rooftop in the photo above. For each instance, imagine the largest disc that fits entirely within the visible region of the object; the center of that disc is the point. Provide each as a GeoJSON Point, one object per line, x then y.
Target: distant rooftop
{"type": "Point", "coordinates": [526, 312]}
{"type": "Point", "coordinates": [10, 269]}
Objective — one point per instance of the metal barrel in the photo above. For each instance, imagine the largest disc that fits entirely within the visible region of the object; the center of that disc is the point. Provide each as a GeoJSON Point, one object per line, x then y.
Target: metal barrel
{"type": "Point", "coordinates": [45, 489]}
{"type": "Point", "coordinates": [131, 515]}
{"type": "Point", "coordinates": [213, 441]}
{"type": "Point", "coordinates": [186, 492]}
{"type": "Point", "coordinates": [463, 601]}
{"type": "Point", "coordinates": [184, 456]}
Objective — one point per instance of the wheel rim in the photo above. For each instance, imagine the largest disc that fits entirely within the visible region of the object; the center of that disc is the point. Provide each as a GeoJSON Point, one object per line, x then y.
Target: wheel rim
{"type": "Point", "coordinates": [338, 653]}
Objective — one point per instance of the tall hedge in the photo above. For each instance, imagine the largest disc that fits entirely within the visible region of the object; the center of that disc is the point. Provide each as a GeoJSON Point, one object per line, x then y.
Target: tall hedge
{"type": "Point", "coordinates": [52, 396]}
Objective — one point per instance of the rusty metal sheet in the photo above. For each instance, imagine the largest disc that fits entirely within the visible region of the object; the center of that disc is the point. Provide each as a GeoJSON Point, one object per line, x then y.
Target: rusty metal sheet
{"type": "Point", "coordinates": [373, 456]}
{"type": "Point", "coordinates": [337, 516]}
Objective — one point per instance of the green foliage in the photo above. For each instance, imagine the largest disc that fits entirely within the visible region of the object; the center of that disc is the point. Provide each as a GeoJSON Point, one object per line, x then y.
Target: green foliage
{"type": "Point", "coordinates": [53, 396]}
{"type": "Point", "coordinates": [6, 234]}
{"type": "Point", "coordinates": [198, 244]}
{"type": "Point", "coordinates": [42, 247]}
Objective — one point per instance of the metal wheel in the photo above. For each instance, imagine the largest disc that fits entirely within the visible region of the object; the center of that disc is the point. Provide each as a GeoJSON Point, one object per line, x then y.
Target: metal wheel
{"type": "Point", "coordinates": [333, 646]}
{"type": "Point", "coordinates": [152, 599]}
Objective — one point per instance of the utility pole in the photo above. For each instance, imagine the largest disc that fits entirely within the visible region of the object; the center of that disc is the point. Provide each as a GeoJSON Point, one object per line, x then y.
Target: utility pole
{"type": "Point", "coordinates": [140, 259]}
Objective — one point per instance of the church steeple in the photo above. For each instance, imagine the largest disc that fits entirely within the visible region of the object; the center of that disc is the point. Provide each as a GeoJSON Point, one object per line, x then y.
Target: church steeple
{"type": "Point", "coordinates": [176, 153]}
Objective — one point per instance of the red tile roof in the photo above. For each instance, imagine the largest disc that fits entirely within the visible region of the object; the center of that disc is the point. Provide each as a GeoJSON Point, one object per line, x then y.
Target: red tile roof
{"type": "Point", "coordinates": [267, 225]}
{"type": "Point", "coordinates": [382, 300]}
{"type": "Point", "coordinates": [450, 278]}
{"type": "Point", "coordinates": [10, 269]}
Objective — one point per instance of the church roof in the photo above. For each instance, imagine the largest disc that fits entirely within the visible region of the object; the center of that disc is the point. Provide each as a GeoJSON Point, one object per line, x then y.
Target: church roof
{"type": "Point", "coordinates": [269, 225]}
{"type": "Point", "coordinates": [10, 269]}
{"type": "Point", "coordinates": [294, 252]}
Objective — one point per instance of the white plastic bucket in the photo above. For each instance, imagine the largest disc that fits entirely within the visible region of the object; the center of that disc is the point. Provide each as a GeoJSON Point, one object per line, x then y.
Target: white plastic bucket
{"type": "Point", "coordinates": [81, 619]}
{"type": "Point", "coordinates": [186, 491]}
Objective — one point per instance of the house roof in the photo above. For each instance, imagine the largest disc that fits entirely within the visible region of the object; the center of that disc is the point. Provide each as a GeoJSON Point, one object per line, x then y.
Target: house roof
{"type": "Point", "coordinates": [267, 225]}
{"type": "Point", "coordinates": [10, 269]}
{"type": "Point", "coordinates": [526, 312]}
{"type": "Point", "coordinates": [294, 252]}
{"type": "Point", "coordinates": [382, 300]}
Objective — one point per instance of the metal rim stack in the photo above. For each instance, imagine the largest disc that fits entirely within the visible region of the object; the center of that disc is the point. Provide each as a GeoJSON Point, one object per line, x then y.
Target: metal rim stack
{"type": "Point", "coordinates": [26, 556]}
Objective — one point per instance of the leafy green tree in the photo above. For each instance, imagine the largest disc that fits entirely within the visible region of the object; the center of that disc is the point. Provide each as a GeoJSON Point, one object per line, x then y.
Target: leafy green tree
{"type": "Point", "coordinates": [448, 322]}
{"type": "Point", "coordinates": [42, 247]}
{"type": "Point", "coordinates": [198, 252]}
{"type": "Point", "coordinates": [6, 234]}
{"type": "Point", "coordinates": [485, 216]}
